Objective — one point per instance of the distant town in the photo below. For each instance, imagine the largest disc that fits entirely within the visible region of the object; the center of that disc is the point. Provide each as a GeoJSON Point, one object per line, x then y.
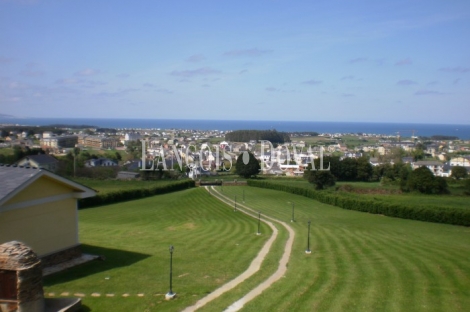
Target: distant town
{"type": "Point", "coordinates": [119, 150]}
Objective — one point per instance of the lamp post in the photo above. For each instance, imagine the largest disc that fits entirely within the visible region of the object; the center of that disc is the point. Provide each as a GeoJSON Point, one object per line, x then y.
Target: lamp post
{"type": "Point", "coordinates": [308, 251]}
{"type": "Point", "coordinates": [293, 219]}
{"type": "Point", "coordinates": [171, 294]}
{"type": "Point", "coordinates": [259, 222]}
{"type": "Point", "coordinates": [235, 206]}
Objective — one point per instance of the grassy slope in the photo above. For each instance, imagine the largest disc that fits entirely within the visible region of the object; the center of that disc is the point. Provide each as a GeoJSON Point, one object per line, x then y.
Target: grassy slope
{"type": "Point", "coordinates": [359, 261]}
{"type": "Point", "coordinates": [364, 262]}
{"type": "Point", "coordinates": [405, 198]}
{"type": "Point", "coordinates": [212, 245]}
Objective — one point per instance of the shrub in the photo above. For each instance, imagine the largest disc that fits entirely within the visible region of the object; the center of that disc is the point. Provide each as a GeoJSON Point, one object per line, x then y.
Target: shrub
{"type": "Point", "coordinates": [130, 194]}
{"type": "Point", "coordinates": [456, 216]}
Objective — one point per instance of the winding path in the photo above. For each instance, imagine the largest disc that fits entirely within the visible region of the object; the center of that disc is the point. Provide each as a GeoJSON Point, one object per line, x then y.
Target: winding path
{"type": "Point", "coordinates": [255, 264]}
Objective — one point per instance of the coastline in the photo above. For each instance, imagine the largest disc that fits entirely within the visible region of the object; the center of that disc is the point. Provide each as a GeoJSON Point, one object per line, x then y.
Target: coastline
{"type": "Point", "coordinates": [405, 129]}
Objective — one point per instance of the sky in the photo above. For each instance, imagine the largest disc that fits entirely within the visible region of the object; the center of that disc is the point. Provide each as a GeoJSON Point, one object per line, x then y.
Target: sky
{"type": "Point", "coordinates": [315, 60]}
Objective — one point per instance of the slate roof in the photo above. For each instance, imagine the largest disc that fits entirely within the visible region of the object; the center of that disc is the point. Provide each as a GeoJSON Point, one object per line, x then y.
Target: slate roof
{"type": "Point", "coordinates": [42, 159]}
{"type": "Point", "coordinates": [15, 178]}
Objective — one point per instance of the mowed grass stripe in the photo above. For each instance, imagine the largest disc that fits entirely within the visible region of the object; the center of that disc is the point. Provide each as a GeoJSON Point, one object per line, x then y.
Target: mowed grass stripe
{"type": "Point", "coordinates": [134, 237]}
{"type": "Point", "coordinates": [379, 256]}
{"type": "Point", "coordinates": [364, 283]}
{"type": "Point", "coordinates": [410, 256]}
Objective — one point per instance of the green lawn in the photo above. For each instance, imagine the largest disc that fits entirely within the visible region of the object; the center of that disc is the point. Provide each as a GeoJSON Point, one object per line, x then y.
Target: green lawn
{"type": "Point", "coordinates": [364, 262]}
{"type": "Point", "coordinates": [212, 245]}
{"type": "Point", "coordinates": [409, 199]}
{"type": "Point", "coordinates": [359, 261]}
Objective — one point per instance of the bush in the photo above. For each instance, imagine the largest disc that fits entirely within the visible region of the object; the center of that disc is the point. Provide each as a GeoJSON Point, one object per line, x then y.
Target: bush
{"type": "Point", "coordinates": [447, 215]}
{"type": "Point", "coordinates": [131, 194]}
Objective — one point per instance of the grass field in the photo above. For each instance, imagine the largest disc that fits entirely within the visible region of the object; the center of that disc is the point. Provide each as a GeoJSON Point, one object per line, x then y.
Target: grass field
{"type": "Point", "coordinates": [359, 261]}
{"type": "Point", "coordinates": [411, 199]}
{"type": "Point", "coordinates": [364, 262]}
{"type": "Point", "coordinates": [212, 245]}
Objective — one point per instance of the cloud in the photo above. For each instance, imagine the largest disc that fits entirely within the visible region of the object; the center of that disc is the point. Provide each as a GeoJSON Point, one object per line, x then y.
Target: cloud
{"type": "Point", "coordinates": [243, 71]}
{"type": "Point", "coordinates": [358, 60]}
{"type": "Point", "coordinates": [32, 73]}
{"type": "Point", "coordinates": [347, 95]}
{"type": "Point", "coordinates": [20, 1]}
{"type": "Point", "coordinates": [248, 52]}
{"type": "Point", "coordinates": [203, 71]}
{"type": "Point", "coordinates": [116, 93]}
{"type": "Point", "coordinates": [406, 82]}
{"type": "Point", "coordinates": [428, 92]}
{"type": "Point", "coordinates": [6, 60]}
{"type": "Point", "coordinates": [458, 69]}
{"type": "Point", "coordinates": [87, 72]}
{"type": "Point", "coordinates": [68, 81]}
{"type": "Point", "coordinates": [149, 85]}
{"type": "Point", "coordinates": [273, 89]}
{"type": "Point", "coordinates": [456, 81]}
{"type": "Point", "coordinates": [312, 82]}
{"type": "Point", "coordinates": [196, 58]}
{"type": "Point", "coordinates": [350, 77]}
{"type": "Point", "coordinates": [123, 75]}
{"type": "Point", "coordinates": [406, 61]}
{"type": "Point", "coordinates": [432, 83]}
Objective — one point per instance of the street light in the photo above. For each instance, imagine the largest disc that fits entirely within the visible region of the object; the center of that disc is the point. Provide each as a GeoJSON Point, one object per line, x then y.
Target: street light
{"type": "Point", "coordinates": [293, 219]}
{"type": "Point", "coordinates": [259, 222]}
{"type": "Point", "coordinates": [308, 251]}
{"type": "Point", "coordinates": [171, 294]}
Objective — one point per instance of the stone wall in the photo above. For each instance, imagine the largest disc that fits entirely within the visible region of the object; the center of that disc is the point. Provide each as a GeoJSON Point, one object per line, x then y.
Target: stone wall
{"type": "Point", "coordinates": [61, 256]}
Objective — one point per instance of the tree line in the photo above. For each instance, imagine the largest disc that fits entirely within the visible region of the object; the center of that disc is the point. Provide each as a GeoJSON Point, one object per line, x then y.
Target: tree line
{"type": "Point", "coordinates": [246, 135]}
{"type": "Point", "coordinates": [359, 169]}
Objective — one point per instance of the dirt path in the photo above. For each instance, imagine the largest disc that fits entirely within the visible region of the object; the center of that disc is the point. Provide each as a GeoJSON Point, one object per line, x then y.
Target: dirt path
{"type": "Point", "coordinates": [255, 264]}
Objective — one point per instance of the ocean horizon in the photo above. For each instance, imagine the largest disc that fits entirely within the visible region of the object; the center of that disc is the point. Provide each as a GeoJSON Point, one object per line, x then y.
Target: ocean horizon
{"type": "Point", "coordinates": [405, 129]}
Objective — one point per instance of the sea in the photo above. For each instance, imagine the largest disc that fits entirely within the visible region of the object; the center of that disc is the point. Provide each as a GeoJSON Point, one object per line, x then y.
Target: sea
{"type": "Point", "coordinates": [403, 129]}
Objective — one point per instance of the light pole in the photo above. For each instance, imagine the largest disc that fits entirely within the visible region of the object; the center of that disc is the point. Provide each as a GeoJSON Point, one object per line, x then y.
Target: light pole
{"type": "Point", "coordinates": [243, 195]}
{"type": "Point", "coordinates": [259, 222]}
{"type": "Point", "coordinates": [171, 294]}
{"type": "Point", "coordinates": [308, 251]}
{"type": "Point", "coordinates": [293, 219]}
{"type": "Point", "coordinates": [235, 206]}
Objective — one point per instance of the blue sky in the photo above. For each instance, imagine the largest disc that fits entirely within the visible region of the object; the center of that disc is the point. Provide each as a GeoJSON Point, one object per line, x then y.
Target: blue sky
{"type": "Point", "coordinates": [386, 61]}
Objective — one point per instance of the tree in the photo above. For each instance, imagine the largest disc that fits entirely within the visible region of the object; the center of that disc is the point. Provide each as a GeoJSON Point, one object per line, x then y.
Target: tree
{"type": "Point", "coordinates": [424, 181]}
{"type": "Point", "coordinates": [247, 165]}
{"type": "Point", "coordinates": [418, 153]}
{"type": "Point", "coordinates": [348, 170]}
{"type": "Point", "coordinates": [459, 172]}
{"type": "Point", "coordinates": [321, 179]}
{"type": "Point", "coordinates": [364, 169]}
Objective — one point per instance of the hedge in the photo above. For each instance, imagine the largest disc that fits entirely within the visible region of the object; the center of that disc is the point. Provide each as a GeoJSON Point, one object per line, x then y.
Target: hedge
{"type": "Point", "coordinates": [124, 195]}
{"type": "Point", "coordinates": [448, 215]}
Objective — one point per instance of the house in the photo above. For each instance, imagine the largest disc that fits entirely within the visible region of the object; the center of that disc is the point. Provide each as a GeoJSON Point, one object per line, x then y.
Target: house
{"type": "Point", "coordinates": [460, 161]}
{"type": "Point", "coordinates": [100, 162]}
{"type": "Point", "coordinates": [436, 167]}
{"type": "Point", "coordinates": [40, 161]}
{"type": "Point", "coordinates": [39, 208]}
